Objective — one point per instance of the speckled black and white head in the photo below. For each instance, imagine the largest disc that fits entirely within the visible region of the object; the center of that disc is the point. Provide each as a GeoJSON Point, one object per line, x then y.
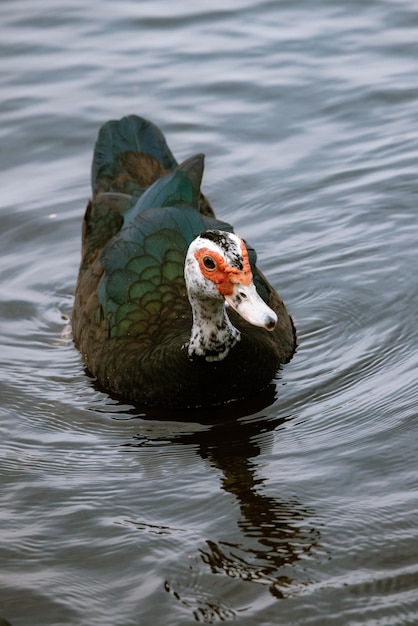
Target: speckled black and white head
{"type": "Point", "coordinates": [217, 272]}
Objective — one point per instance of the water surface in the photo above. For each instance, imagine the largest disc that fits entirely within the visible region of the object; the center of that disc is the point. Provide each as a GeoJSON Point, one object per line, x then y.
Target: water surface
{"type": "Point", "coordinates": [298, 507]}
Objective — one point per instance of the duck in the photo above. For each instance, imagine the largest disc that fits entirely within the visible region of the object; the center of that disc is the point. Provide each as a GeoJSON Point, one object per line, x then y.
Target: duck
{"type": "Point", "coordinates": [170, 308]}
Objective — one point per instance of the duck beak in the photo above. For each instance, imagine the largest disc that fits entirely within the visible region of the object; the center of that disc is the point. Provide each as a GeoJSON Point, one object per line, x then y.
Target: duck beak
{"type": "Point", "coordinates": [245, 300]}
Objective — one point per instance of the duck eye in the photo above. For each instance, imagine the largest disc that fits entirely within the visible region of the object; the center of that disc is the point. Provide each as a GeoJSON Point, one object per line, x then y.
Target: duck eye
{"type": "Point", "coordinates": [209, 263]}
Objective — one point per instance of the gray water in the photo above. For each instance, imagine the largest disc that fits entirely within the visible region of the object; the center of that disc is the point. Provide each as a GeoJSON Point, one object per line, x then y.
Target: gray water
{"type": "Point", "coordinates": [297, 508]}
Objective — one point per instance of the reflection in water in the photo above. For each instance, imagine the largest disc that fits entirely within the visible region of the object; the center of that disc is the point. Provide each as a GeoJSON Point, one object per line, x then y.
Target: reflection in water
{"type": "Point", "coordinates": [276, 533]}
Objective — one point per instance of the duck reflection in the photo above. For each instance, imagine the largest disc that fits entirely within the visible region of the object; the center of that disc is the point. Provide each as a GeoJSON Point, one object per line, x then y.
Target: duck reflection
{"type": "Point", "coordinates": [276, 533]}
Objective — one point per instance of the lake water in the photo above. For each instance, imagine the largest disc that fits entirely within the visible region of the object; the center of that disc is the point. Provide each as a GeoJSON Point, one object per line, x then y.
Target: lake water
{"type": "Point", "coordinates": [299, 507]}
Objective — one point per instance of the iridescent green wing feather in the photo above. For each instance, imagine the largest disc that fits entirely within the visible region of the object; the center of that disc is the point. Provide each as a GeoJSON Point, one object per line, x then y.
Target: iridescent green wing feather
{"type": "Point", "coordinates": [181, 188]}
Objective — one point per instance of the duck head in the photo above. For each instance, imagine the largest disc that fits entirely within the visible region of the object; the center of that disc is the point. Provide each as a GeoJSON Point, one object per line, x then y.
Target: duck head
{"type": "Point", "coordinates": [218, 274]}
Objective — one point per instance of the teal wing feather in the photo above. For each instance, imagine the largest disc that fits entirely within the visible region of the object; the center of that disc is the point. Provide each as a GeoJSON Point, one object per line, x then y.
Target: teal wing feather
{"type": "Point", "coordinates": [180, 188]}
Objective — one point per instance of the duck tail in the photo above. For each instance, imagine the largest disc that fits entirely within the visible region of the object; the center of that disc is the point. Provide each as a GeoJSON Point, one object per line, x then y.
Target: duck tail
{"type": "Point", "coordinates": [129, 155]}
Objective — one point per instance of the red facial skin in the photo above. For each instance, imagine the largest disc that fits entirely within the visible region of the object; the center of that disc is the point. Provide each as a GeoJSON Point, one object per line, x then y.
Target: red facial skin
{"type": "Point", "coordinates": [223, 275]}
